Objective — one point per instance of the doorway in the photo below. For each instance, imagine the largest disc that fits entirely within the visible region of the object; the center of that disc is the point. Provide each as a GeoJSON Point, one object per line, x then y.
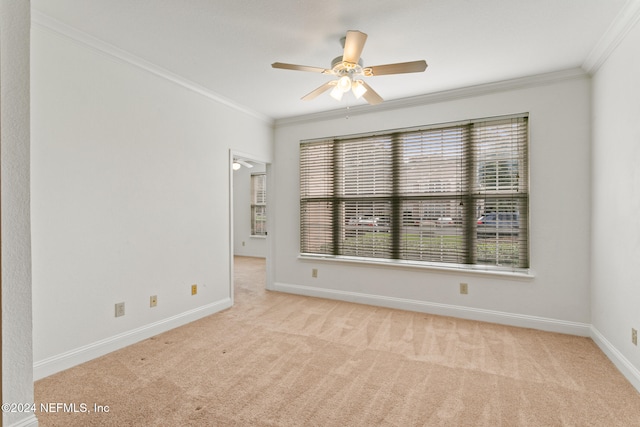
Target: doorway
{"type": "Point", "coordinates": [249, 214]}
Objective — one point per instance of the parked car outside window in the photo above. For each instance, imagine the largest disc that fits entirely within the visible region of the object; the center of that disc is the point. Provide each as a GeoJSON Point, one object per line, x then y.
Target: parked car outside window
{"type": "Point", "coordinates": [499, 224]}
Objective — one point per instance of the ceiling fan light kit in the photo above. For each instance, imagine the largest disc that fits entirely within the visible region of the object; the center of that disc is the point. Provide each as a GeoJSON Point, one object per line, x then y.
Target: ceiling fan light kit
{"type": "Point", "coordinates": [358, 88]}
{"type": "Point", "coordinates": [348, 71]}
{"type": "Point", "coordinates": [345, 84]}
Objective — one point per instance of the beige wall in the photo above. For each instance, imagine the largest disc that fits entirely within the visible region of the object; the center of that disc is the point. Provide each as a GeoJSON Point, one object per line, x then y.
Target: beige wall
{"type": "Point", "coordinates": [17, 356]}
{"type": "Point", "coordinates": [615, 278]}
{"type": "Point", "coordinates": [557, 295]}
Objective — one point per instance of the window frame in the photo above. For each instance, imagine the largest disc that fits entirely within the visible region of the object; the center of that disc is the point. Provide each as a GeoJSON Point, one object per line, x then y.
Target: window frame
{"type": "Point", "coordinates": [519, 202]}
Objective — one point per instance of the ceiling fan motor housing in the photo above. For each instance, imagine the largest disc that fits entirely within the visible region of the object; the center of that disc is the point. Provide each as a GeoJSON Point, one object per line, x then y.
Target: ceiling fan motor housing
{"type": "Point", "coordinates": [339, 67]}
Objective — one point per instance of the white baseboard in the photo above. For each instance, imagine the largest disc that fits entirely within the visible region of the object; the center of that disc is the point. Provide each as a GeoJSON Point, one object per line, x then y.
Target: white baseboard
{"type": "Point", "coordinates": [60, 362]}
{"type": "Point", "coordinates": [29, 421]}
{"type": "Point", "coordinates": [630, 372]}
{"type": "Point", "coordinates": [492, 316]}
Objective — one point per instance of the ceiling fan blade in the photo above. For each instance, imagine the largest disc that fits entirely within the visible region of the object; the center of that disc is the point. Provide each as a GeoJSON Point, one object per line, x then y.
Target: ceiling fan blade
{"type": "Point", "coordinates": [243, 163]}
{"type": "Point", "coordinates": [299, 67]}
{"type": "Point", "coordinates": [398, 68]}
{"type": "Point", "coordinates": [353, 45]}
{"type": "Point", "coordinates": [371, 96]}
{"type": "Point", "coordinates": [325, 87]}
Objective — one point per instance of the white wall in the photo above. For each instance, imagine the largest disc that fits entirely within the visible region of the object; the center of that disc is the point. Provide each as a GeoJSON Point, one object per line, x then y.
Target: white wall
{"type": "Point", "coordinates": [17, 356]}
{"type": "Point", "coordinates": [243, 243]}
{"type": "Point", "coordinates": [130, 198]}
{"type": "Point", "coordinates": [557, 298]}
{"type": "Point", "coordinates": [616, 204]}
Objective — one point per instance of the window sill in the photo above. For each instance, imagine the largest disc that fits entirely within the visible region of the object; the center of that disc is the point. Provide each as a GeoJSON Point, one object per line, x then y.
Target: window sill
{"type": "Point", "coordinates": [257, 236]}
{"type": "Point", "coordinates": [519, 273]}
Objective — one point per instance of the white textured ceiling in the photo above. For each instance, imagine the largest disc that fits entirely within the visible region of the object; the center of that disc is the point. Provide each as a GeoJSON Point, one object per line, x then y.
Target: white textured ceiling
{"type": "Point", "coordinates": [227, 46]}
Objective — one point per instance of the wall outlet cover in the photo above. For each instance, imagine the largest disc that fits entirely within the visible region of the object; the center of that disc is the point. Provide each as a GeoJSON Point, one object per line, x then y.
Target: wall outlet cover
{"type": "Point", "coordinates": [119, 309]}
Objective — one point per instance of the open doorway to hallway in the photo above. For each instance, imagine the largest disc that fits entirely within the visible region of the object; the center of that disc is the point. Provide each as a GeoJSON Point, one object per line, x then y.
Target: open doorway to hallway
{"type": "Point", "coordinates": [249, 213]}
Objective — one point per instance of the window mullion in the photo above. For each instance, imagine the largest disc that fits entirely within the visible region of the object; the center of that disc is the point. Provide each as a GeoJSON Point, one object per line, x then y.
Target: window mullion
{"type": "Point", "coordinates": [469, 214]}
{"type": "Point", "coordinates": [336, 217]}
{"type": "Point", "coordinates": [396, 200]}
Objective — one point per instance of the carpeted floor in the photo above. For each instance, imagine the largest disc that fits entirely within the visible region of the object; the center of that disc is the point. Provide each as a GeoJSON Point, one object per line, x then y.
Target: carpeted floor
{"type": "Point", "coordinates": [285, 360]}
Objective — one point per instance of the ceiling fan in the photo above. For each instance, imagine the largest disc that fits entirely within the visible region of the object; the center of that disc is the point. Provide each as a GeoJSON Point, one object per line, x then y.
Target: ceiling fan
{"type": "Point", "coordinates": [349, 71]}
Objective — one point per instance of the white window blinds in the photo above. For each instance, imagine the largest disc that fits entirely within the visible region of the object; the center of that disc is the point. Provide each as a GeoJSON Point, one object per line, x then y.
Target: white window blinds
{"type": "Point", "coordinates": [259, 204]}
{"type": "Point", "coordinates": [453, 194]}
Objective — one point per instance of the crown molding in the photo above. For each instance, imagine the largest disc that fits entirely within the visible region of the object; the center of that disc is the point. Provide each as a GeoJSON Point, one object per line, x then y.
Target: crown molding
{"type": "Point", "coordinates": [628, 16]}
{"type": "Point", "coordinates": [46, 22]}
{"type": "Point", "coordinates": [443, 96]}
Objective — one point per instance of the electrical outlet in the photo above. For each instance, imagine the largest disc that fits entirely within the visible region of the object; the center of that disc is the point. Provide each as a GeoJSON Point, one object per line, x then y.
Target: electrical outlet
{"type": "Point", "coordinates": [314, 272]}
{"type": "Point", "coordinates": [634, 336]}
{"type": "Point", "coordinates": [194, 289]}
{"type": "Point", "coordinates": [464, 288]}
{"type": "Point", "coordinates": [119, 309]}
{"type": "Point", "coordinates": [153, 301]}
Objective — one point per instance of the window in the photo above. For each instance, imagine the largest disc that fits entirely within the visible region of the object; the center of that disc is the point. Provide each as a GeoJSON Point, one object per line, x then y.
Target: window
{"type": "Point", "coordinates": [452, 194]}
{"type": "Point", "coordinates": [259, 204]}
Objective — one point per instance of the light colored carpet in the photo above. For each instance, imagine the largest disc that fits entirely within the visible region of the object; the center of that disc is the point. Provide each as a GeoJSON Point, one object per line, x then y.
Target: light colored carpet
{"type": "Point", "coordinates": [284, 360]}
